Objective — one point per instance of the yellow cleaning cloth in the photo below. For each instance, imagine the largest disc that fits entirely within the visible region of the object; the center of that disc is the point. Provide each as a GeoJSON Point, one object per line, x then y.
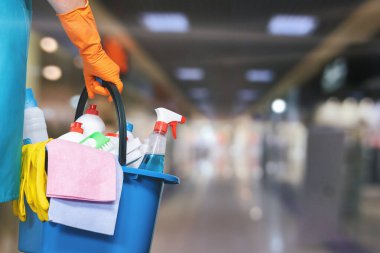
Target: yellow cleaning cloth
{"type": "Point", "coordinates": [33, 182]}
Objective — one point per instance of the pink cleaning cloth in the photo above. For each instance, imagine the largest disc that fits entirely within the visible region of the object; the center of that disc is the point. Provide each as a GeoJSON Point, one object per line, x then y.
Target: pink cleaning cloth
{"type": "Point", "coordinates": [97, 217]}
{"type": "Point", "coordinates": [79, 172]}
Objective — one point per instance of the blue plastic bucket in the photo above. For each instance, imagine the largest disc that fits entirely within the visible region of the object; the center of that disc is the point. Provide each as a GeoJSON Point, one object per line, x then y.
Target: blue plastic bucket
{"type": "Point", "coordinates": [140, 199]}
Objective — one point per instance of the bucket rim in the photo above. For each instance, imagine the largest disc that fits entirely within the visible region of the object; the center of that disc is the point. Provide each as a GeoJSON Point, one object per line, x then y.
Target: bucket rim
{"type": "Point", "coordinates": [166, 178]}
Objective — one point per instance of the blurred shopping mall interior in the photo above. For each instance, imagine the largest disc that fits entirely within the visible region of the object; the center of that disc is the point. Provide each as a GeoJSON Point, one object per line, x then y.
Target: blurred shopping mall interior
{"type": "Point", "coordinates": [281, 150]}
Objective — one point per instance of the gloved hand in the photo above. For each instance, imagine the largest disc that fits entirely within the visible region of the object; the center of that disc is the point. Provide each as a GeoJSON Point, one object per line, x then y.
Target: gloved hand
{"type": "Point", "coordinates": [33, 182]}
{"type": "Point", "coordinates": [80, 27]}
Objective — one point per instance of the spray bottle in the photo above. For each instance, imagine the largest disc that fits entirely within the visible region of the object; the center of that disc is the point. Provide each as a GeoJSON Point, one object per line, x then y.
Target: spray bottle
{"type": "Point", "coordinates": [155, 155]}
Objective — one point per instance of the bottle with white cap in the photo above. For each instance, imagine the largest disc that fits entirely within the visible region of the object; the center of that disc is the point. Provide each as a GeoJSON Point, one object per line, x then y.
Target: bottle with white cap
{"type": "Point", "coordinates": [75, 134]}
{"type": "Point", "coordinates": [34, 120]}
{"type": "Point", "coordinates": [91, 122]}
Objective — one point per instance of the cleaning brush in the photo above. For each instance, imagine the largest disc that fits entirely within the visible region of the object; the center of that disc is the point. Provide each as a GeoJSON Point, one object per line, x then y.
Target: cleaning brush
{"type": "Point", "coordinates": [99, 141]}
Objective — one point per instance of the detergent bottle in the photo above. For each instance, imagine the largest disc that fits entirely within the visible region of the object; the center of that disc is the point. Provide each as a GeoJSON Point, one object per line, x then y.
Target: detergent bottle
{"type": "Point", "coordinates": [132, 142]}
{"type": "Point", "coordinates": [75, 134]}
{"type": "Point", "coordinates": [34, 120]}
{"type": "Point", "coordinates": [129, 128]}
{"type": "Point", "coordinates": [91, 122]}
{"type": "Point", "coordinates": [155, 155]}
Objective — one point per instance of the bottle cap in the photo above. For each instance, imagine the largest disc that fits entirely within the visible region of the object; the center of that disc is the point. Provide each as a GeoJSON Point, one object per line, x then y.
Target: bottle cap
{"type": "Point", "coordinates": [92, 110]}
{"type": "Point", "coordinates": [114, 135]}
{"type": "Point", "coordinates": [30, 101]}
{"type": "Point", "coordinates": [76, 127]}
{"type": "Point", "coordinates": [129, 126]}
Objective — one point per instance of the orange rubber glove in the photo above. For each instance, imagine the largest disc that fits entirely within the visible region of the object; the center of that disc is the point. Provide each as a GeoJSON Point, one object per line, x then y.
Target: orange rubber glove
{"type": "Point", "coordinates": [80, 27]}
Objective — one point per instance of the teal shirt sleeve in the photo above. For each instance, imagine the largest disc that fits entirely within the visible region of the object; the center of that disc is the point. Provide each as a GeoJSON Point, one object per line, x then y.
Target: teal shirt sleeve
{"type": "Point", "coordinates": [15, 17]}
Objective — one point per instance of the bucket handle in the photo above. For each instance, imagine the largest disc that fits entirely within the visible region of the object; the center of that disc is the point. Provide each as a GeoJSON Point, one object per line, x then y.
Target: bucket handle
{"type": "Point", "coordinates": [120, 116]}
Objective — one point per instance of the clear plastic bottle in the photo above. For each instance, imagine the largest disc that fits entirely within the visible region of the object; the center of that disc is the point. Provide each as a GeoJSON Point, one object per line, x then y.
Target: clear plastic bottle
{"type": "Point", "coordinates": [34, 120]}
{"type": "Point", "coordinates": [154, 157]}
{"type": "Point", "coordinates": [91, 122]}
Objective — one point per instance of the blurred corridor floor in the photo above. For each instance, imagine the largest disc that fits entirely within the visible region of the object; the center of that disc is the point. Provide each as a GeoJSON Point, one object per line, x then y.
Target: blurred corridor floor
{"type": "Point", "coordinates": [230, 216]}
{"type": "Point", "coordinates": [225, 216]}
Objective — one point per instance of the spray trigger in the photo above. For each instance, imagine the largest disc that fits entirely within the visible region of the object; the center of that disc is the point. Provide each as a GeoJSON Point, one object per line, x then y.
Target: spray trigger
{"type": "Point", "coordinates": [174, 129]}
{"type": "Point", "coordinates": [173, 125]}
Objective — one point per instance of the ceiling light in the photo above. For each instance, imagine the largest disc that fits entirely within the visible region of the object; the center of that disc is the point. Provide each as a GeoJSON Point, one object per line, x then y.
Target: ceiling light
{"type": "Point", "coordinates": [259, 75]}
{"type": "Point", "coordinates": [173, 22]}
{"type": "Point", "coordinates": [199, 93]}
{"type": "Point", "coordinates": [292, 25]}
{"type": "Point", "coordinates": [278, 106]}
{"type": "Point", "coordinates": [49, 44]}
{"type": "Point", "coordinates": [52, 72]}
{"type": "Point", "coordinates": [190, 74]}
{"type": "Point", "coordinates": [247, 95]}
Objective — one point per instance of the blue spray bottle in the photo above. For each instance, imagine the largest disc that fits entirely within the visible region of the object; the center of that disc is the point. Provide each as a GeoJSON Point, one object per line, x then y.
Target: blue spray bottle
{"type": "Point", "coordinates": [155, 155]}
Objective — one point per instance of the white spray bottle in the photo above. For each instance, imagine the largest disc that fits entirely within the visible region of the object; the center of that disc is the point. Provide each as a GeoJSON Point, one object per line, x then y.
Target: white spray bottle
{"type": "Point", "coordinates": [155, 155]}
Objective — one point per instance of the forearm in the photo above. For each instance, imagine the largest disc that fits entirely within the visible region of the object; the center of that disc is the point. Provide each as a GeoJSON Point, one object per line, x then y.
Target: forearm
{"type": "Point", "coordinates": [79, 24]}
{"type": "Point", "coordinates": [64, 6]}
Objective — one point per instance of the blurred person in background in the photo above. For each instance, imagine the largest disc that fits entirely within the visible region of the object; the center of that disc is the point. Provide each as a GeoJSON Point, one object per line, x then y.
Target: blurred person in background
{"type": "Point", "coordinates": [15, 16]}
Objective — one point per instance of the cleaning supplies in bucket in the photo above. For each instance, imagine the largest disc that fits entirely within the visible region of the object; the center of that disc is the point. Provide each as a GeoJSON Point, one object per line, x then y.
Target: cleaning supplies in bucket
{"type": "Point", "coordinates": [80, 172]}
{"type": "Point", "coordinates": [139, 203]}
{"type": "Point", "coordinates": [154, 158]}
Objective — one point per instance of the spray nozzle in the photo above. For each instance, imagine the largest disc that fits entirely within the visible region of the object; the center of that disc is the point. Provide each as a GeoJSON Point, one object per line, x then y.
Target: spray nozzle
{"type": "Point", "coordinates": [167, 118]}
